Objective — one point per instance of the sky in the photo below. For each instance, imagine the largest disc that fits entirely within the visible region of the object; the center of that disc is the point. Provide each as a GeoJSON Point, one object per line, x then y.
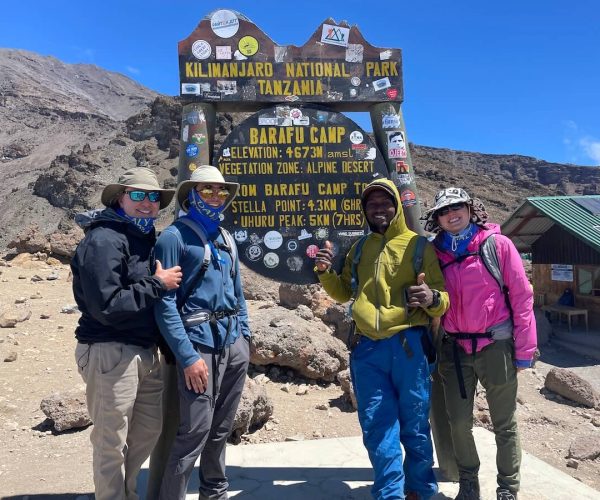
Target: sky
{"type": "Point", "coordinates": [511, 77]}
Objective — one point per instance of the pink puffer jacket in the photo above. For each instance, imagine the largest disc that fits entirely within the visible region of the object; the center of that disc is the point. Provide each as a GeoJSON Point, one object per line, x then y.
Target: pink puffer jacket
{"type": "Point", "coordinates": [477, 302]}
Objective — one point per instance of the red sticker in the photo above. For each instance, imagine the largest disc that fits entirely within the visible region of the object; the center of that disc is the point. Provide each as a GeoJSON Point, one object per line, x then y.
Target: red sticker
{"type": "Point", "coordinates": [401, 167]}
{"type": "Point", "coordinates": [312, 250]}
{"type": "Point", "coordinates": [392, 93]}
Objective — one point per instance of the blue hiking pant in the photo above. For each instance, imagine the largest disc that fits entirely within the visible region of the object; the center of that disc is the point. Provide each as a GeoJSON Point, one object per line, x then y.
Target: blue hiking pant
{"type": "Point", "coordinates": [392, 387]}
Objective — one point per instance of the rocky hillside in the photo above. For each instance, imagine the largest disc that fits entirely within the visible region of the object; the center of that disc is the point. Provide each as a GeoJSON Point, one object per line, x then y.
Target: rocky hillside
{"type": "Point", "coordinates": [66, 130]}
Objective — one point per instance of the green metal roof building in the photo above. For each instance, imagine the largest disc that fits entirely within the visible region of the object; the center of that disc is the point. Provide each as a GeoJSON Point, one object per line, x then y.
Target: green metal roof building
{"type": "Point", "coordinates": [562, 233]}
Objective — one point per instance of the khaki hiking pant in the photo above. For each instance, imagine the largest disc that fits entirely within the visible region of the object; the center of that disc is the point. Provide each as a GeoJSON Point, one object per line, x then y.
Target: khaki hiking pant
{"type": "Point", "coordinates": [124, 390]}
{"type": "Point", "coordinates": [493, 366]}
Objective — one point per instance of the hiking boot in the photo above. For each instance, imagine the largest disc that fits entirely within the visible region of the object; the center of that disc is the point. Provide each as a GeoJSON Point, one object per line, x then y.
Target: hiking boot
{"type": "Point", "coordinates": [505, 494]}
{"type": "Point", "coordinates": [469, 490]}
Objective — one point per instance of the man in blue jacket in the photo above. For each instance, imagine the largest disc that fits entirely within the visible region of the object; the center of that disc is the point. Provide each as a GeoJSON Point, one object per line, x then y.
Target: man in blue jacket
{"type": "Point", "coordinates": [205, 323]}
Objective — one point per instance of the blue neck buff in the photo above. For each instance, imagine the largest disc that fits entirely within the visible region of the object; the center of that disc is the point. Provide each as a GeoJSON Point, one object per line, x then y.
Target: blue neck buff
{"type": "Point", "coordinates": [144, 224]}
{"type": "Point", "coordinates": [203, 214]}
{"type": "Point", "coordinates": [207, 217]}
{"type": "Point", "coordinates": [457, 243]}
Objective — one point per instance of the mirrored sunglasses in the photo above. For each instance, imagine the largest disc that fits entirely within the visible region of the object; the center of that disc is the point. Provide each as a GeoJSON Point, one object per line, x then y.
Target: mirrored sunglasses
{"type": "Point", "coordinates": [207, 192]}
{"type": "Point", "coordinates": [153, 196]}
{"type": "Point", "coordinates": [450, 208]}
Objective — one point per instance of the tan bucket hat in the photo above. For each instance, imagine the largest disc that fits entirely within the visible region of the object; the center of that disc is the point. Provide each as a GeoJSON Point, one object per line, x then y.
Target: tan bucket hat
{"type": "Point", "coordinates": [138, 178]}
{"type": "Point", "coordinates": [208, 175]}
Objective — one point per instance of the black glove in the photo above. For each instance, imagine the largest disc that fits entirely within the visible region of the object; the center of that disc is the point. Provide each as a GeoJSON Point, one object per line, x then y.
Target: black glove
{"type": "Point", "coordinates": [165, 350]}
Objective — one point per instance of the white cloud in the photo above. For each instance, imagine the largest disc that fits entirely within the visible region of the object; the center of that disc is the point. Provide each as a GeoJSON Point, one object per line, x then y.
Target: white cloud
{"type": "Point", "coordinates": [132, 70]}
{"type": "Point", "coordinates": [591, 148]}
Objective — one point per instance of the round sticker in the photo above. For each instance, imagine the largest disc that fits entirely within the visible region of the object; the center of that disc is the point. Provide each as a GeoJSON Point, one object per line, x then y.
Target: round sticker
{"type": "Point", "coordinates": [271, 260]}
{"type": "Point", "coordinates": [294, 263]}
{"type": "Point", "coordinates": [296, 113]}
{"type": "Point", "coordinates": [292, 245]}
{"type": "Point", "coordinates": [356, 137]}
{"type": "Point", "coordinates": [191, 150]}
{"type": "Point", "coordinates": [408, 198]}
{"type": "Point", "coordinates": [254, 252]}
{"type": "Point", "coordinates": [224, 23]}
{"type": "Point", "coordinates": [322, 233]}
{"type": "Point", "coordinates": [192, 167]}
{"type": "Point", "coordinates": [355, 80]}
{"type": "Point", "coordinates": [273, 240]}
{"type": "Point", "coordinates": [201, 49]}
{"type": "Point", "coordinates": [248, 45]}
{"type": "Point", "coordinates": [312, 250]}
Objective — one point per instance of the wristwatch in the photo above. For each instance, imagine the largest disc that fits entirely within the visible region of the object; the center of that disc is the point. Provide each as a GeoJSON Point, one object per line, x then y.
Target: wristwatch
{"type": "Point", "coordinates": [436, 299]}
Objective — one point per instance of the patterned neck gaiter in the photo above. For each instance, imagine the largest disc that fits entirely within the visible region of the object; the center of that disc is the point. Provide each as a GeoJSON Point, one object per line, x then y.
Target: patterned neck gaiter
{"type": "Point", "coordinates": [144, 224]}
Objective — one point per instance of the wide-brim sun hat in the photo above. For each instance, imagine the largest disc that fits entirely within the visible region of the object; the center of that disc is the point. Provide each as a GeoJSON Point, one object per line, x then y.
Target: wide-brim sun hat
{"type": "Point", "coordinates": [136, 178]}
{"type": "Point", "coordinates": [206, 174]}
{"type": "Point", "coordinates": [451, 196]}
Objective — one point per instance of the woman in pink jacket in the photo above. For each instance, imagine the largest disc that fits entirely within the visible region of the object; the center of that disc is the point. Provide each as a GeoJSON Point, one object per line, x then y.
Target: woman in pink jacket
{"type": "Point", "coordinates": [490, 333]}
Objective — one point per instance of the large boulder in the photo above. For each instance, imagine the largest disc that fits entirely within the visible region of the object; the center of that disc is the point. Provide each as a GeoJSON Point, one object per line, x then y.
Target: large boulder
{"type": "Point", "coordinates": [336, 317]}
{"type": "Point", "coordinates": [571, 386]}
{"type": "Point", "coordinates": [283, 338]}
{"type": "Point", "coordinates": [68, 410]}
{"type": "Point", "coordinates": [253, 412]}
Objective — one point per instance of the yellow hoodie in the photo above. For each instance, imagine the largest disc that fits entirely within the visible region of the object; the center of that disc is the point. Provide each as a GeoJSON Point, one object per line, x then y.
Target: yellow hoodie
{"type": "Point", "coordinates": [384, 272]}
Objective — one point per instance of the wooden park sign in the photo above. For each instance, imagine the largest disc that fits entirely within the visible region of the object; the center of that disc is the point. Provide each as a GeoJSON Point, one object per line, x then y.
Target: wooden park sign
{"type": "Point", "coordinates": [301, 163]}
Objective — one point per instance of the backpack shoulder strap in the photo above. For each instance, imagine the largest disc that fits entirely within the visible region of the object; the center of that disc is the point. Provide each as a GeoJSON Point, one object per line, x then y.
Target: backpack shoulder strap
{"type": "Point", "coordinates": [488, 253]}
{"type": "Point", "coordinates": [230, 247]}
{"type": "Point", "coordinates": [489, 256]}
{"type": "Point", "coordinates": [198, 230]}
{"type": "Point", "coordinates": [355, 261]}
{"type": "Point", "coordinates": [418, 255]}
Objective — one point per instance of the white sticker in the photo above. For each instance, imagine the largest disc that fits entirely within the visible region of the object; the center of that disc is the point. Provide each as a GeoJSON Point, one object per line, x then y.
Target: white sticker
{"type": "Point", "coordinates": [223, 52]}
{"type": "Point", "coordinates": [304, 235]}
{"type": "Point", "coordinates": [267, 120]}
{"type": "Point", "coordinates": [240, 235]}
{"type": "Point", "coordinates": [190, 88]}
{"type": "Point", "coordinates": [238, 56]}
{"type": "Point", "coordinates": [185, 132]}
{"type": "Point", "coordinates": [356, 137]}
{"type": "Point", "coordinates": [271, 260]}
{"type": "Point", "coordinates": [371, 154]}
{"type": "Point", "coordinates": [355, 80]}
{"type": "Point", "coordinates": [385, 55]}
{"type": "Point", "coordinates": [224, 23]}
{"type": "Point", "coordinates": [201, 49]}
{"type": "Point", "coordinates": [354, 53]}
{"type": "Point", "coordinates": [382, 83]}
{"type": "Point", "coordinates": [227, 87]}
{"type": "Point", "coordinates": [273, 240]}
{"type": "Point", "coordinates": [390, 121]}
{"type": "Point", "coordinates": [335, 35]}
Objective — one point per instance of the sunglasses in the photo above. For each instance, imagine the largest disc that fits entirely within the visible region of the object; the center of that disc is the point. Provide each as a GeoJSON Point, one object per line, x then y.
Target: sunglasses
{"type": "Point", "coordinates": [208, 191]}
{"type": "Point", "coordinates": [153, 196]}
{"type": "Point", "coordinates": [450, 208]}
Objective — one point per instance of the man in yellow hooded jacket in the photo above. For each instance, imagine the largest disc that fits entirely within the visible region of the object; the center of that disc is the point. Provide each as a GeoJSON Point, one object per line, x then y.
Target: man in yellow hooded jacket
{"type": "Point", "coordinates": [392, 309]}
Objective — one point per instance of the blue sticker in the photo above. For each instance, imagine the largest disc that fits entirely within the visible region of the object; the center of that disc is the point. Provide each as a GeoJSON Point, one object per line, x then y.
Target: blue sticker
{"type": "Point", "coordinates": [191, 150]}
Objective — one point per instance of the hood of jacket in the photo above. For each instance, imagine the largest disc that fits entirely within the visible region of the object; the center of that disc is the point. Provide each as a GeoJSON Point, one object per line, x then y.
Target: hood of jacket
{"type": "Point", "coordinates": [107, 217]}
{"type": "Point", "coordinates": [397, 224]}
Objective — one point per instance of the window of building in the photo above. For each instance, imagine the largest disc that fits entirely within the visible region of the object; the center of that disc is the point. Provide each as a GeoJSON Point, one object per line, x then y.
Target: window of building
{"type": "Point", "coordinates": [588, 280]}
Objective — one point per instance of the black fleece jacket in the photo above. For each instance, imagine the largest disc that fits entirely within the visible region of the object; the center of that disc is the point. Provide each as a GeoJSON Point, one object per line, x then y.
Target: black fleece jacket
{"type": "Point", "coordinates": [113, 284]}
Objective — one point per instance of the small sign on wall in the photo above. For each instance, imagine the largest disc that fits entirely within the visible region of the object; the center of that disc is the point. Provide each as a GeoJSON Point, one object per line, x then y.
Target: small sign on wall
{"type": "Point", "coordinates": [562, 272]}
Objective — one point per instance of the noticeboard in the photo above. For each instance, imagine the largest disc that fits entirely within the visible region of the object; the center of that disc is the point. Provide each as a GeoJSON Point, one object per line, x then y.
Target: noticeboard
{"type": "Point", "coordinates": [228, 61]}
{"type": "Point", "coordinates": [302, 171]}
